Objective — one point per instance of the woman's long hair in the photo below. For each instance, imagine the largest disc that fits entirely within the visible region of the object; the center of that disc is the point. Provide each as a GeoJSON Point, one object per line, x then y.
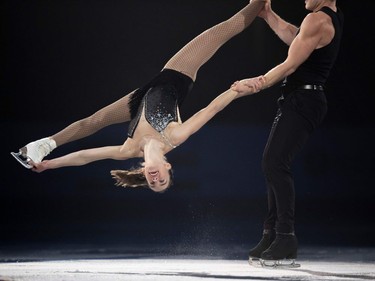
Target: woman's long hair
{"type": "Point", "coordinates": [134, 177]}
{"type": "Point", "coordinates": [129, 178]}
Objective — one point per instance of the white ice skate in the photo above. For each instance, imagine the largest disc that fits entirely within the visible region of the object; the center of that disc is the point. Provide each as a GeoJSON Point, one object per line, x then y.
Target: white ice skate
{"type": "Point", "coordinates": [285, 263]}
{"type": "Point", "coordinates": [21, 159]}
{"type": "Point", "coordinates": [34, 151]}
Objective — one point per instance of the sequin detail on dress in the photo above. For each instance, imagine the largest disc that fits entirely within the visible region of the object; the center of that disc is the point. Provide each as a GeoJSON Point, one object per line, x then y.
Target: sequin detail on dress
{"type": "Point", "coordinates": [161, 106]}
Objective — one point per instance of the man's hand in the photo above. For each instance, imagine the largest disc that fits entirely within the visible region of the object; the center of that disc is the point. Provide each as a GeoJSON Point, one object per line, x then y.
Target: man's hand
{"type": "Point", "coordinates": [265, 10]}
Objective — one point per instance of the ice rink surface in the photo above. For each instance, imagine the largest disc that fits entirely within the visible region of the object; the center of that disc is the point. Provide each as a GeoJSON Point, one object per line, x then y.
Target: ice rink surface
{"type": "Point", "coordinates": [134, 264]}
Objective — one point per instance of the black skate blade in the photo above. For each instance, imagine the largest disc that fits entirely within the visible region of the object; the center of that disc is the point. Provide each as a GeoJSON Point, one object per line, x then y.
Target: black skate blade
{"type": "Point", "coordinates": [24, 162]}
{"type": "Point", "coordinates": [281, 264]}
{"type": "Point", "coordinates": [255, 262]}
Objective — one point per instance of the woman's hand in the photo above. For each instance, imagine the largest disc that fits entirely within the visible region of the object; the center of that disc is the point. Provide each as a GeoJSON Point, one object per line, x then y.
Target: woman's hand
{"type": "Point", "coordinates": [39, 167]}
{"type": "Point", "coordinates": [248, 86]}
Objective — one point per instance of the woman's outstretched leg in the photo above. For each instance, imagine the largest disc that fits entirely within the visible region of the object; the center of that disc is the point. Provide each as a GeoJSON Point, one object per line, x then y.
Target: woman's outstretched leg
{"type": "Point", "coordinates": [117, 112]}
{"type": "Point", "coordinates": [199, 50]}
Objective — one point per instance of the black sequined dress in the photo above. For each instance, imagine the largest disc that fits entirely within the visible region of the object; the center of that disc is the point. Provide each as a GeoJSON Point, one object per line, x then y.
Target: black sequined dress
{"type": "Point", "coordinates": [160, 98]}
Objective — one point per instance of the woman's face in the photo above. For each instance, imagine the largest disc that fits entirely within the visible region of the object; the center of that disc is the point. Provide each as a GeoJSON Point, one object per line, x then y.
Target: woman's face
{"type": "Point", "coordinates": [158, 176]}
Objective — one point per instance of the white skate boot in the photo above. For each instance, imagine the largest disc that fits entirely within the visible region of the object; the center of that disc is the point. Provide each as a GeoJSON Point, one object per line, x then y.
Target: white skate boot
{"type": "Point", "coordinates": [34, 151]}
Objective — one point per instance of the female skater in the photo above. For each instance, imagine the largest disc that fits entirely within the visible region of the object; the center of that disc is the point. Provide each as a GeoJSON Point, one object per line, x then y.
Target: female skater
{"type": "Point", "coordinates": [155, 126]}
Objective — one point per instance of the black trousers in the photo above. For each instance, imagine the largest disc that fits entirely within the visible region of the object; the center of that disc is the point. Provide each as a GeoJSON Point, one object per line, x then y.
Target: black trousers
{"type": "Point", "coordinates": [299, 113]}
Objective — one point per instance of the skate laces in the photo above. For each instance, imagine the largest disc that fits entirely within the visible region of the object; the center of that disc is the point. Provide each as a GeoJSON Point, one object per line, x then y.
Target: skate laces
{"type": "Point", "coordinates": [37, 150]}
{"type": "Point", "coordinates": [44, 148]}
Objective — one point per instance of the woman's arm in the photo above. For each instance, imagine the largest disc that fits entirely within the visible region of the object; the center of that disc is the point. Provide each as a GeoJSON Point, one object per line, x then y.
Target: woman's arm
{"type": "Point", "coordinates": [81, 158]}
{"type": "Point", "coordinates": [194, 123]}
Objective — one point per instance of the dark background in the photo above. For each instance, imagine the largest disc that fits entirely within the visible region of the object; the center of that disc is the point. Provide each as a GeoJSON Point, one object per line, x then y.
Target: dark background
{"type": "Point", "coordinates": [63, 60]}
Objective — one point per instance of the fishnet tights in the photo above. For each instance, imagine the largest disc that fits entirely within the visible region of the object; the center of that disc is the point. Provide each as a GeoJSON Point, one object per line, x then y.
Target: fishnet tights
{"type": "Point", "coordinates": [198, 51]}
{"type": "Point", "coordinates": [117, 112]}
{"type": "Point", "coordinates": [188, 61]}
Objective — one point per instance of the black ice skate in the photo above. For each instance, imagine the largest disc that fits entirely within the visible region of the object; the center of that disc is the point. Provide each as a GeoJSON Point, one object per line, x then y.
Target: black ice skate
{"type": "Point", "coordinates": [282, 252]}
{"type": "Point", "coordinates": [265, 242]}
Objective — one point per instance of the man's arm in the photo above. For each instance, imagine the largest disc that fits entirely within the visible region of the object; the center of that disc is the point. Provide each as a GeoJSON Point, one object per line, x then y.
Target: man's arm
{"type": "Point", "coordinates": [308, 39]}
{"type": "Point", "coordinates": [283, 29]}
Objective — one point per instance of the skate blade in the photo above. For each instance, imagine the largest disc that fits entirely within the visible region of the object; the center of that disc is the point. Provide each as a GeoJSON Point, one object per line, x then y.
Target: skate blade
{"type": "Point", "coordinates": [24, 162]}
{"type": "Point", "coordinates": [254, 262]}
{"type": "Point", "coordinates": [286, 263]}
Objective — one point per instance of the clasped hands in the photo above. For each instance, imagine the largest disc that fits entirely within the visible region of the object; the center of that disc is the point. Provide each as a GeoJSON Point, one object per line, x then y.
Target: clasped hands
{"type": "Point", "coordinates": [248, 86]}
